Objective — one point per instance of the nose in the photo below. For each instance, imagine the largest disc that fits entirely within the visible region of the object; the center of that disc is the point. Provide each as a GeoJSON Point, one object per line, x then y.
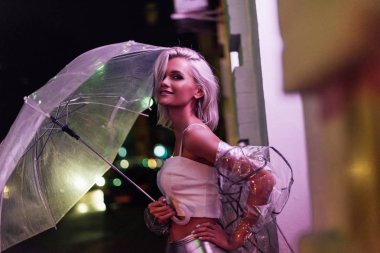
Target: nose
{"type": "Point", "coordinates": [164, 82]}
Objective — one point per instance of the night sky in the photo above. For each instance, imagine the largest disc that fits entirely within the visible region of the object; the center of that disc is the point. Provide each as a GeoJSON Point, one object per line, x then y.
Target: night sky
{"type": "Point", "coordinates": [39, 37]}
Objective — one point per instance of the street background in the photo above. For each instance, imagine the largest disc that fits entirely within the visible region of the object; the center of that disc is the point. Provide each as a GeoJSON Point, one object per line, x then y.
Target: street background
{"type": "Point", "coordinates": [38, 38]}
{"type": "Point", "coordinates": [122, 230]}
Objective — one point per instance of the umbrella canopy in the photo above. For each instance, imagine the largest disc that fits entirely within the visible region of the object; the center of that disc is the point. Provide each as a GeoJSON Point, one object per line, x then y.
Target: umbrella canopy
{"type": "Point", "coordinates": [43, 171]}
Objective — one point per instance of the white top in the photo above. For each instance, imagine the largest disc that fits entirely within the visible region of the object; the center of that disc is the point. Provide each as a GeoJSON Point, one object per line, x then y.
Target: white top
{"type": "Point", "coordinates": [190, 186]}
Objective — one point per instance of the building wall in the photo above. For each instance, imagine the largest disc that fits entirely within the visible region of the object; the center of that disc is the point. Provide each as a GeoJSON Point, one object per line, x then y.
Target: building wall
{"type": "Point", "coordinates": [260, 96]}
{"type": "Point", "coordinates": [332, 56]}
{"type": "Point", "coordinates": [285, 122]}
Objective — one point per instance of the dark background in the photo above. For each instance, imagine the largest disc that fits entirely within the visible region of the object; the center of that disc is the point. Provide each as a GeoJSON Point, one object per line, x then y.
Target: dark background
{"type": "Point", "coordinates": [37, 39]}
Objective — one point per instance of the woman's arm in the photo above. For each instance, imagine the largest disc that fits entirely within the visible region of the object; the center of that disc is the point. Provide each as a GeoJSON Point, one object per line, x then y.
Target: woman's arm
{"type": "Point", "coordinates": [202, 143]}
{"type": "Point", "coordinates": [261, 184]}
{"type": "Point", "coordinates": [161, 210]}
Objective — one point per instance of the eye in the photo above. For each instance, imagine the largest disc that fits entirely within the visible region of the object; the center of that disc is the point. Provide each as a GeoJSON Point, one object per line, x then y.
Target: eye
{"type": "Point", "coordinates": [177, 77]}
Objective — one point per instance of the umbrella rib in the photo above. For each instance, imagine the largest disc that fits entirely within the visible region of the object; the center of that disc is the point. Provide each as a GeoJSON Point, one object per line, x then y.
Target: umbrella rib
{"type": "Point", "coordinates": [104, 96]}
{"type": "Point", "coordinates": [49, 133]}
{"type": "Point", "coordinates": [38, 185]}
{"type": "Point", "coordinates": [66, 105]}
{"type": "Point", "coordinates": [116, 169]}
{"type": "Point", "coordinates": [70, 132]}
{"type": "Point", "coordinates": [39, 137]}
{"type": "Point", "coordinates": [67, 113]}
{"type": "Point", "coordinates": [112, 106]}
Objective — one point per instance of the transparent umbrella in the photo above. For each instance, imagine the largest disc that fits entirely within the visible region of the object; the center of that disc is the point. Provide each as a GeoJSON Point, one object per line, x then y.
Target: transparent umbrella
{"type": "Point", "coordinates": [67, 132]}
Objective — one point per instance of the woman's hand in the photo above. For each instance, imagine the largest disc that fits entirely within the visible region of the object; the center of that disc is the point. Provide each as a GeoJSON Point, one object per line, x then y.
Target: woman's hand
{"type": "Point", "coordinates": [214, 233]}
{"type": "Point", "coordinates": [161, 210]}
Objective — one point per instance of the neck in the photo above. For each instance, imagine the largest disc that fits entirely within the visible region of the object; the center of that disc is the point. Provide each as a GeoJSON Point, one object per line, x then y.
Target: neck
{"type": "Point", "coordinates": [182, 117]}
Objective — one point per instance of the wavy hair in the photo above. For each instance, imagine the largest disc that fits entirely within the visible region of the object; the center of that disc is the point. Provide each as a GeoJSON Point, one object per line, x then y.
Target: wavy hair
{"type": "Point", "coordinates": [206, 108]}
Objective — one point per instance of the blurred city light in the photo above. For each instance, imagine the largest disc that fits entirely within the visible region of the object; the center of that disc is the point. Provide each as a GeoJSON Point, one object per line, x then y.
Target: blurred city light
{"type": "Point", "coordinates": [160, 151]}
{"type": "Point", "coordinates": [147, 101]}
{"type": "Point", "coordinates": [97, 200]}
{"type": "Point", "coordinates": [101, 67]}
{"type": "Point", "coordinates": [145, 162]}
{"type": "Point", "coordinates": [185, 6]}
{"type": "Point", "coordinates": [152, 164]}
{"type": "Point", "coordinates": [122, 152]}
{"type": "Point", "coordinates": [159, 163]}
{"type": "Point", "coordinates": [116, 182]}
{"type": "Point", "coordinates": [6, 192]}
{"type": "Point", "coordinates": [124, 164]}
{"type": "Point", "coordinates": [79, 183]}
{"type": "Point", "coordinates": [234, 56]}
{"type": "Point", "coordinates": [92, 201]}
{"type": "Point", "coordinates": [82, 208]}
{"type": "Point", "coordinates": [101, 181]}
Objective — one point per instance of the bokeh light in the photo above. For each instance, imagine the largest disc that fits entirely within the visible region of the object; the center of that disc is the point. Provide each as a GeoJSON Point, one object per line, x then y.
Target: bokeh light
{"type": "Point", "coordinates": [160, 151]}
{"type": "Point", "coordinates": [92, 201]}
{"type": "Point", "coordinates": [82, 208]}
{"type": "Point", "coordinates": [122, 152]}
{"type": "Point", "coordinates": [159, 163]}
{"type": "Point", "coordinates": [152, 164]}
{"type": "Point", "coordinates": [97, 200]}
{"type": "Point", "coordinates": [147, 102]}
{"type": "Point", "coordinates": [124, 164]}
{"type": "Point", "coordinates": [100, 181]}
{"type": "Point", "coordinates": [145, 162]}
{"type": "Point", "coordinates": [116, 182]}
{"type": "Point", "coordinates": [6, 192]}
{"type": "Point", "coordinates": [79, 183]}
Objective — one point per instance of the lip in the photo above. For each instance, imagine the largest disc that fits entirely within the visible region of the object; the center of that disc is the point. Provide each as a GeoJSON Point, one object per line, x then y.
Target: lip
{"type": "Point", "coordinates": [165, 92]}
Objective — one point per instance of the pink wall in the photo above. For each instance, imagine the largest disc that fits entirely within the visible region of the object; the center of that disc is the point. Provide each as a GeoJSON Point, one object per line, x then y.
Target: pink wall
{"type": "Point", "coordinates": [285, 123]}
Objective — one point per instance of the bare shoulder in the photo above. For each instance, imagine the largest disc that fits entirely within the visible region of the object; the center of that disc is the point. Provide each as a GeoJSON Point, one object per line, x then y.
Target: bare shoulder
{"type": "Point", "coordinates": [201, 142]}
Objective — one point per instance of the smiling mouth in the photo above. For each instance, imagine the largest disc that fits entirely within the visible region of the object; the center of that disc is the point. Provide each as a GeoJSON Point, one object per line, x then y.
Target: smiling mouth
{"type": "Point", "coordinates": [165, 92]}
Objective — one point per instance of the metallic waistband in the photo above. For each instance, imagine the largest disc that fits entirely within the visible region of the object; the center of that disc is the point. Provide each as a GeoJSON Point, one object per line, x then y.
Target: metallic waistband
{"type": "Point", "coordinates": [183, 241]}
{"type": "Point", "coordinates": [191, 244]}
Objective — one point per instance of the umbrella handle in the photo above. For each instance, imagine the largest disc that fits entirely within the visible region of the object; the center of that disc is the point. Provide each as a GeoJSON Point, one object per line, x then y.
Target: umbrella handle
{"type": "Point", "coordinates": [72, 133]}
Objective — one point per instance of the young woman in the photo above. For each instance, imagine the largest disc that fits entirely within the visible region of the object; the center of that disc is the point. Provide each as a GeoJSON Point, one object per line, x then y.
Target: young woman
{"type": "Point", "coordinates": [186, 92]}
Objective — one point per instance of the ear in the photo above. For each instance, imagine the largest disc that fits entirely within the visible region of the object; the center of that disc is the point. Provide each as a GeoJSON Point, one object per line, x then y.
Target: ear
{"type": "Point", "coordinates": [198, 92]}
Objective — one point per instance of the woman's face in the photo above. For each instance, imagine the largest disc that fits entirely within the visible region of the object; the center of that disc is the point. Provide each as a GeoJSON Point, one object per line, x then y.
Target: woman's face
{"type": "Point", "coordinates": [178, 87]}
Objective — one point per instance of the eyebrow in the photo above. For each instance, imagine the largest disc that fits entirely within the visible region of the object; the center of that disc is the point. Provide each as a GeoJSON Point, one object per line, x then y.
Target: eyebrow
{"type": "Point", "coordinates": [176, 72]}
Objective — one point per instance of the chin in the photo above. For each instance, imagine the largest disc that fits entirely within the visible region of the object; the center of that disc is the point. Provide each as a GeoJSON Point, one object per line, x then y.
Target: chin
{"type": "Point", "coordinates": [163, 102]}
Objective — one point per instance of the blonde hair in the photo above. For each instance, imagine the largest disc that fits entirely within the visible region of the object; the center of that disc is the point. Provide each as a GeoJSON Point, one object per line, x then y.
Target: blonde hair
{"type": "Point", "coordinates": [206, 107]}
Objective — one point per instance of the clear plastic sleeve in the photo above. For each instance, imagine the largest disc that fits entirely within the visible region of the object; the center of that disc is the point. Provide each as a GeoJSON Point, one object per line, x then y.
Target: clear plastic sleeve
{"type": "Point", "coordinates": [253, 191]}
{"type": "Point", "coordinates": [153, 225]}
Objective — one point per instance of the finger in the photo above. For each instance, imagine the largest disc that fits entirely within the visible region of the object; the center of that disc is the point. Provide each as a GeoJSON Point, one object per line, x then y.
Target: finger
{"type": "Point", "coordinates": [167, 216]}
{"type": "Point", "coordinates": [156, 204]}
{"type": "Point", "coordinates": [164, 212]}
{"type": "Point", "coordinates": [207, 237]}
{"type": "Point", "coordinates": [162, 199]}
{"type": "Point", "coordinates": [162, 208]}
{"type": "Point", "coordinates": [159, 208]}
{"type": "Point", "coordinates": [206, 225]}
{"type": "Point", "coordinates": [206, 234]}
{"type": "Point", "coordinates": [159, 202]}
